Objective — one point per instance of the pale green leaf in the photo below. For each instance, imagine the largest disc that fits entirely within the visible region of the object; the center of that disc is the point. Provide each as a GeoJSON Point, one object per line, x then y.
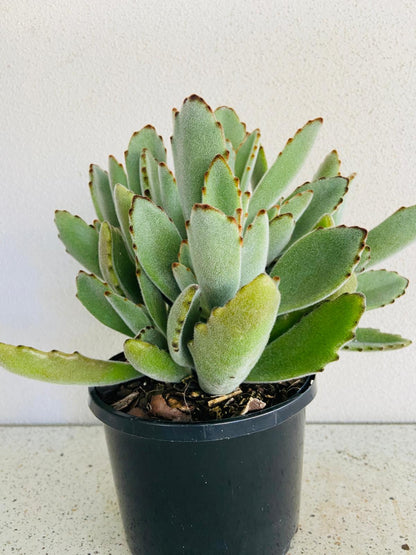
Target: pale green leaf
{"type": "Point", "coordinates": [297, 204]}
{"type": "Point", "coordinates": [246, 159]}
{"type": "Point", "coordinates": [150, 334]}
{"type": "Point", "coordinates": [145, 138]}
{"type": "Point", "coordinates": [80, 240]}
{"type": "Point", "coordinates": [317, 265]}
{"type": "Point", "coordinates": [116, 173]}
{"type": "Point", "coordinates": [102, 195]}
{"type": "Point", "coordinates": [330, 166]}
{"type": "Point", "coordinates": [170, 198]}
{"type": "Point", "coordinates": [156, 242]}
{"type": "Point", "coordinates": [214, 243]}
{"type": "Point", "coordinates": [227, 347]}
{"type": "Point", "coordinates": [234, 129]}
{"type": "Point", "coordinates": [230, 154]}
{"type": "Point", "coordinates": [289, 161]}
{"type": "Point", "coordinates": [370, 339]}
{"type": "Point", "coordinates": [326, 221]}
{"type": "Point", "coordinates": [280, 232]}
{"type": "Point", "coordinates": [153, 299]}
{"type": "Point", "coordinates": [260, 168]}
{"type": "Point", "coordinates": [149, 177]}
{"type": "Point", "coordinates": [134, 315]}
{"type": "Point", "coordinates": [184, 256]}
{"type": "Point", "coordinates": [181, 320]}
{"type": "Point", "coordinates": [312, 343]}
{"type": "Point", "coordinates": [151, 361]}
{"type": "Point", "coordinates": [381, 287]}
{"type": "Point", "coordinates": [184, 276]}
{"type": "Point", "coordinates": [255, 245]}
{"type": "Point", "coordinates": [63, 368]}
{"type": "Point", "coordinates": [91, 292]}
{"type": "Point", "coordinates": [221, 188]}
{"type": "Point", "coordinates": [197, 138]}
{"type": "Point", "coordinates": [123, 201]}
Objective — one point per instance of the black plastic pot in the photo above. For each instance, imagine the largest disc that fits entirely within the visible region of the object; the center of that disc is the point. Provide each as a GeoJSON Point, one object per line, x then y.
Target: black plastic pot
{"type": "Point", "coordinates": [231, 486]}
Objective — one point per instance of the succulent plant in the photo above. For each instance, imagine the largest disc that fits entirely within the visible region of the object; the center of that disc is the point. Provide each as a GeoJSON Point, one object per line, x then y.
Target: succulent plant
{"type": "Point", "coordinates": [217, 269]}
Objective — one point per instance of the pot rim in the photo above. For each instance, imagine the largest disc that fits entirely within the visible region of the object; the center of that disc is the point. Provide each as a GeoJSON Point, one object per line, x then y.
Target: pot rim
{"type": "Point", "coordinates": [202, 431]}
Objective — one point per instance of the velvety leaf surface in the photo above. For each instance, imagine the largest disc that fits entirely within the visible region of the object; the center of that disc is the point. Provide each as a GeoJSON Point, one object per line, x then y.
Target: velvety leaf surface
{"type": "Point", "coordinates": [280, 232]}
{"type": "Point", "coordinates": [157, 243]}
{"type": "Point", "coordinates": [214, 243]}
{"type": "Point", "coordinates": [326, 221]}
{"type": "Point", "coordinates": [230, 154]}
{"type": "Point", "coordinates": [284, 168]}
{"type": "Point", "coordinates": [381, 287]}
{"type": "Point", "coordinates": [80, 240]}
{"type": "Point", "coordinates": [297, 204]}
{"type": "Point", "coordinates": [255, 246]}
{"type": "Point", "coordinates": [197, 138]}
{"type": "Point", "coordinates": [170, 198]}
{"type": "Point", "coordinates": [392, 235]}
{"type": "Point", "coordinates": [145, 138]}
{"type": "Point", "coordinates": [134, 315]}
{"type": "Point", "coordinates": [63, 368]}
{"type": "Point", "coordinates": [317, 265]}
{"type": "Point", "coordinates": [153, 362]}
{"type": "Point", "coordinates": [311, 343]}
{"type": "Point", "coordinates": [102, 195]}
{"type": "Point", "coordinates": [184, 276]}
{"type": "Point", "coordinates": [91, 292]}
{"type": "Point", "coordinates": [123, 200]}
{"type": "Point", "coordinates": [221, 187]}
{"type": "Point", "coordinates": [181, 320]}
{"type": "Point", "coordinates": [330, 166]}
{"type": "Point", "coordinates": [150, 334]}
{"type": "Point", "coordinates": [327, 195]}
{"type": "Point", "coordinates": [285, 321]}
{"type": "Point", "coordinates": [229, 344]}
{"type": "Point", "coordinates": [260, 168]}
{"type": "Point", "coordinates": [116, 173]}
{"type": "Point", "coordinates": [234, 129]}
{"type": "Point", "coordinates": [184, 255]}
{"type": "Point", "coordinates": [149, 176]}
{"type": "Point", "coordinates": [153, 300]}
{"type": "Point", "coordinates": [246, 159]}
{"type": "Point", "coordinates": [370, 339]}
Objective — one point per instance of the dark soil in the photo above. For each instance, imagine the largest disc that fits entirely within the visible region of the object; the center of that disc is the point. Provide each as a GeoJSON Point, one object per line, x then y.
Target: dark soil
{"type": "Point", "coordinates": [186, 402]}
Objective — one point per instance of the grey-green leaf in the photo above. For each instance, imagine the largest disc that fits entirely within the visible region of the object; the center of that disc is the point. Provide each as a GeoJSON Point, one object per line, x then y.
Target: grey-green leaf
{"type": "Point", "coordinates": [80, 240]}
{"type": "Point", "coordinates": [157, 243]}
{"type": "Point", "coordinates": [102, 195]}
{"type": "Point", "coordinates": [370, 339]}
{"type": "Point", "coordinates": [280, 232]}
{"type": "Point", "coordinates": [91, 292]}
{"type": "Point", "coordinates": [181, 320]}
{"type": "Point", "coordinates": [234, 129]}
{"type": "Point", "coordinates": [246, 159]}
{"type": "Point", "coordinates": [317, 265]}
{"type": "Point", "coordinates": [150, 334]}
{"type": "Point", "coordinates": [297, 204]}
{"type": "Point", "coordinates": [63, 368]}
{"type": "Point", "coordinates": [149, 176]}
{"type": "Point", "coordinates": [221, 188]}
{"type": "Point", "coordinates": [289, 161]}
{"type": "Point", "coordinates": [123, 200]}
{"type": "Point", "coordinates": [184, 255]}
{"type": "Point", "coordinates": [260, 168]}
{"type": "Point", "coordinates": [381, 287]}
{"type": "Point", "coordinates": [392, 235]}
{"type": "Point", "coordinates": [255, 247]}
{"type": "Point", "coordinates": [184, 276]}
{"type": "Point", "coordinates": [170, 198]}
{"type": "Point", "coordinates": [330, 166]}
{"type": "Point", "coordinates": [214, 243]}
{"type": "Point", "coordinates": [145, 138]}
{"type": "Point", "coordinates": [197, 138]}
{"type": "Point", "coordinates": [153, 299]}
{"type": "Point", "coordinates": [311, 343]}
{"type": "Point", "coordinates": [116, 173]}
{"type": "Point", "coordinates": [230, 343]}
{"type": "Point", "coordinates": [134, 315]}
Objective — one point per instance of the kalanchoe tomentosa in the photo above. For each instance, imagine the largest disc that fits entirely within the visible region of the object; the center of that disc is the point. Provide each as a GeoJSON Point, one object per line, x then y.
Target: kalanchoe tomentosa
{"type": "Point", "coordinates": [218, 269]}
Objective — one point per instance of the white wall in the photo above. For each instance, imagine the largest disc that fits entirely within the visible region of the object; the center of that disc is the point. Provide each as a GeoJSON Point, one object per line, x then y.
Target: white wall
{"type": "Point", "coordinates": [79, 77]}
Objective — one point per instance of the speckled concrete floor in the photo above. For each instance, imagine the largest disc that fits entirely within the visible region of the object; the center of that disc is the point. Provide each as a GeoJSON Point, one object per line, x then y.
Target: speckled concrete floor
{"type": "Point", "coordinates": [359, 492]}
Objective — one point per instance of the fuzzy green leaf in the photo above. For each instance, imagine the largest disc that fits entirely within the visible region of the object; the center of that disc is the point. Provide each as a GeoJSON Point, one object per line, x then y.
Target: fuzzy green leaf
{"type": "Point", "coordinates": [116, 173]}
{"type": "Point", "coordinates": [227, 347]}
{"type": "Point", "coordinates": [221, 187]}
{"type": "Point", "coordinates": [327, 196]}
{"type": "Point", "coordinates": [230, 155]}
{"type": "Point", "coordinates": [150, 334]}
{"type": "Point", "coordinates": [153, 362]}
{"type": "Point", "coordinates": [116, 265]}
{"type": "Point", "coordinates": [330, 166]}
{"type": "Point", "coordinates": [381, 287]}
{"type": "Point", "coordinates": [370, 339]}
{"type": "Point", "coordinates": [156, 242]}
{"type": "Point", "coordinates": [92, 294]}
{"type": "Point", "coordinates": [63, 368]}
{"type": "Point", "coordinates": [184, 255]}
{"type": "Point", "coordinates": [297, 204]}
{"type": "Point", "coordinates": [80, 240]}
{"type": "Point", "coordinates": [289, 161]}
{"type": "Point", "coordinates": [181, 320]}
{"type": "Point", "coordinates": [246, 159]}
{"type": "Point", "coordinates": [280, 232]}
{"type": "Point", "coordinates": [153, 299]}
{"type": "Point", "coordinates": [255, 245]}
{"type": "Point", "coordinates": [214, 243]}
{"type": "Point", "coordinates": [392, 235]}
{"type": "Point", "coordinates": [234, 129]}
{"type": "Point", "coordinates": [123, 200]}
{"type": "Point", "coordinates": [102, 195]}
{"type": "Point", "coordinates": [145, 138]}
{"type": "Point", "coordinates": [197, 138]}
{"type": "Point", "coordinates": [149, 177]}
{"type": "Point", "coordinates": [260, 168]}
{"type": "Point", "coordinates": [312, 343]}
{"type": "Point", "coordinates": [134, 315]}
{"type": "Point", "coordinates": [317, 265]}
{"type": "Point", "coordinates": [170, 198]}
{"type": "Point", "coordinates": [184, 276]}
